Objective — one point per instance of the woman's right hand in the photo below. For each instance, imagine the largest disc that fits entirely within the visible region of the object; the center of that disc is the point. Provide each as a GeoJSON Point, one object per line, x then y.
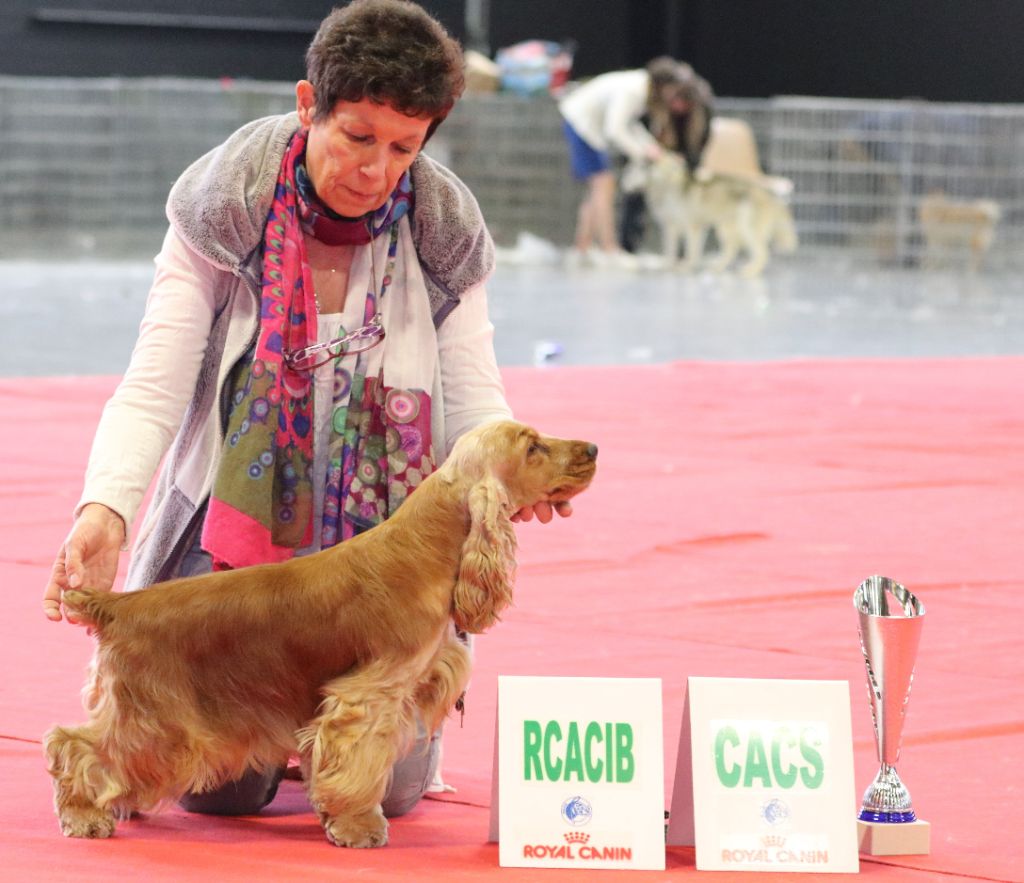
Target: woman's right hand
{"type": "Point", "coordinates": [88, 557]}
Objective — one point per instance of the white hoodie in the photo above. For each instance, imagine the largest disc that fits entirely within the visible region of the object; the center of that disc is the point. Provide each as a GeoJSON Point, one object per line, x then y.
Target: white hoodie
{"type": "Point", "coordinates": [606, 111]}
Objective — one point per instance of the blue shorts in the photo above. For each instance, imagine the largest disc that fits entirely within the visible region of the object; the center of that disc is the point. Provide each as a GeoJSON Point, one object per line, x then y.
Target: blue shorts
{"type": "Point", "coordinates": [583, 158]}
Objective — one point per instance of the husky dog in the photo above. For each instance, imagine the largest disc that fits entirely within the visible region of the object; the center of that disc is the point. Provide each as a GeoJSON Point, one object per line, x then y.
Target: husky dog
{"type": "Point", "coordinates": [952, 227]}
{"type": "Point", "coordinates": [749, 215]}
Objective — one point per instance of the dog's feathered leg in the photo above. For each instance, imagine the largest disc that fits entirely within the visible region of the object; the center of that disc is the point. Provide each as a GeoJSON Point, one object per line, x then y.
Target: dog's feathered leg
{"type": "Point", "coordinates": [83, 789]}
{"type": "Point", "coordinates": [444, 683]}
{"type": "Point", "coordinates": [364, 723]}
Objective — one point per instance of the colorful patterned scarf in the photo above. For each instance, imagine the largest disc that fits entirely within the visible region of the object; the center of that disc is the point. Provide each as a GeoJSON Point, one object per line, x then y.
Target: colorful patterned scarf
{"type": "Point", "coordinates": [261, 508]}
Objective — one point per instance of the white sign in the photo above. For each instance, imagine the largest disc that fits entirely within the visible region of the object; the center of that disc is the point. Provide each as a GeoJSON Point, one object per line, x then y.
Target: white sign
{"type": "Point", "coordinates": [764, 776]}
{"type": "Point", "coordinates": [579, 773]}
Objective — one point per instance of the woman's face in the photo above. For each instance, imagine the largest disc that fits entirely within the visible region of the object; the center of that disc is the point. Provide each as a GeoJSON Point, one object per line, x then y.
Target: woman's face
{"type": "Point", "coordinates": [355, 156]}
{"type": "Point", "coordinates": [679, 105]}
{"type": "Point", "coordinates": [675, 99]}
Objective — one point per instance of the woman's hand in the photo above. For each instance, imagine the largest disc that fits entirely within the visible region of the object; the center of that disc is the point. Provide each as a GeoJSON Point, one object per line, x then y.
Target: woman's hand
{"type": "Point", "coordinates": [544, 512]}
{"type": "Point", "coordinates": [88, 556]}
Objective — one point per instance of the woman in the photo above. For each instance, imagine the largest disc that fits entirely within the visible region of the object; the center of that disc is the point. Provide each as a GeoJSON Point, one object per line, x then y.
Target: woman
{"type": "Point", "coordinates": [637, 113]}
{"type": "Point", "coordinates": [315, 339]}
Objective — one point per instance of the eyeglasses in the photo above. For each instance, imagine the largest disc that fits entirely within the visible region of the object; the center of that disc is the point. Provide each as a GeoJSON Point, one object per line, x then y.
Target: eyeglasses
{"type": "Point", "coordinates": [360, 340]}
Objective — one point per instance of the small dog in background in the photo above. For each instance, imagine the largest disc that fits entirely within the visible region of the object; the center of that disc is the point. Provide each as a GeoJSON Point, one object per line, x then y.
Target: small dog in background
{"type": "Point", "coordinates": [333, 655]}
{"type": "Point", "coordinates": [954, 229]}
{"type": "Point", "coordinates": [746, 215]}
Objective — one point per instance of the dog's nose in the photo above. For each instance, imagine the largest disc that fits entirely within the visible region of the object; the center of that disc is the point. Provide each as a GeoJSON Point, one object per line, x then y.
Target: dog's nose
{"type": "Point", "coordinates": [592, 451]}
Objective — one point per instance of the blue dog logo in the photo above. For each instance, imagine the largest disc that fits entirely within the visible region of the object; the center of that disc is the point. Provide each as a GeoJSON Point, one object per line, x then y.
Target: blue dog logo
{"type": "Point", "coordinates": [577, 810]}
{"type": "Point", "coordinates": [775, 812]}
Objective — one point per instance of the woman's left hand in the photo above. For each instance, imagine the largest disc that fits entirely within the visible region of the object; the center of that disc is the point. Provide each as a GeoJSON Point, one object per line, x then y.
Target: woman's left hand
{"type": "Point", "coordinates": [544, 512]}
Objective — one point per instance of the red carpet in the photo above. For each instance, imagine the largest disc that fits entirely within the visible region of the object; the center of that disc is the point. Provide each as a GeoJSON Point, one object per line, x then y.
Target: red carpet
{"type": "Point", "coordinates": [736, 508]}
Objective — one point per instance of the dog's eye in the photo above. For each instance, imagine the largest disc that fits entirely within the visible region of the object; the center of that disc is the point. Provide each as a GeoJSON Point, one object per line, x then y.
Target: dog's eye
{"type": "Point", "coordinates": [536, 448]}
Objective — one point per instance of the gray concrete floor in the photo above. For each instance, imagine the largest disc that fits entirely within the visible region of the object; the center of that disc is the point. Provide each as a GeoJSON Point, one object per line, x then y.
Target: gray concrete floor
{"type": "Point", "coordinates": [81, 318]}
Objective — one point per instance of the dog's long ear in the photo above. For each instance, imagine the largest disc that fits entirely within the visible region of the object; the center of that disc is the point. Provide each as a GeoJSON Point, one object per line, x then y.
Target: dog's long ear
{"type": "Point", "coordinates": [484, 585]}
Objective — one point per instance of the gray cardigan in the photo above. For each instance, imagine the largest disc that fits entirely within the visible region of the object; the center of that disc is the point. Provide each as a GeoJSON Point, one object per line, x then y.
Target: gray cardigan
{"type": "Point", "coordinates": [219, 207]}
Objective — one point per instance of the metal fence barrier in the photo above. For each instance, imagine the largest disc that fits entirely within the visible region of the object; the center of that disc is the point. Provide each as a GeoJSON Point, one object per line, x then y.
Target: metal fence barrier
{"type": "Point", "coordinates": [85, 164]}
{"type": "Point", "coordinates": [862, 171]}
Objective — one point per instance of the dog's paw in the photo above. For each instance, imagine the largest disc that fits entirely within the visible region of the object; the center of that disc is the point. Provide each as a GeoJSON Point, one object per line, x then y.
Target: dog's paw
{"type": "Point", "coordinates": [364, 831]}
{"type": "Point", "coordinates": [87, 822]}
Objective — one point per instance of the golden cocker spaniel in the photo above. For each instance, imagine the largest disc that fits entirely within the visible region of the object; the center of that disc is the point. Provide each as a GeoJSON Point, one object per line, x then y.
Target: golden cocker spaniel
{"type": "Point", "coordinates": [331, 655]}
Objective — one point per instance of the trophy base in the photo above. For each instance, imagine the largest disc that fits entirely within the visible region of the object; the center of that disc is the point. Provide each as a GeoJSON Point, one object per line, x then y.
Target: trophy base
{"type": "Point", "coordinates": [894, 838]}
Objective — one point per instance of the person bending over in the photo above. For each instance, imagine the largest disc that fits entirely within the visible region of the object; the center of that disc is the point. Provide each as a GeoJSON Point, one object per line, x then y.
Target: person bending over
{"type": "Point", "coordinates": [315, 339]}
{"type": "Point", "coordinates": [636, 113]}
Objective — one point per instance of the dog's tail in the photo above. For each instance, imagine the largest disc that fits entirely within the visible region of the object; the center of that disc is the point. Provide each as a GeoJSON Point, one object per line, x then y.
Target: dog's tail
{"type": "Point", "coordinates": [92, 607]}
{"type": "Point", "coordinates": [780, 188]}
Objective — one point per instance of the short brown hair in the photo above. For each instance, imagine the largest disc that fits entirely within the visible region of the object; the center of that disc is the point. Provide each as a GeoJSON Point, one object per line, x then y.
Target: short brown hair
{"type": "Point", "coordinates": [390, 51]}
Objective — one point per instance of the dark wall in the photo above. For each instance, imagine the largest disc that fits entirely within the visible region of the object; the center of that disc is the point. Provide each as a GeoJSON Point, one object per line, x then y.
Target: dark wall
{"type": "Point", "coordinates": [258, 39]}
{"type": "Point", "coordinates": [949, 50]}
{"type": "Point", "coordinates": [942, 50]}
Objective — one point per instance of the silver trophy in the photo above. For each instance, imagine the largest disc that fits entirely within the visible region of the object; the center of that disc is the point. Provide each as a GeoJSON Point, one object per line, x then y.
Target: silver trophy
{"type": "Point", "coordinates": [890, 631]}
